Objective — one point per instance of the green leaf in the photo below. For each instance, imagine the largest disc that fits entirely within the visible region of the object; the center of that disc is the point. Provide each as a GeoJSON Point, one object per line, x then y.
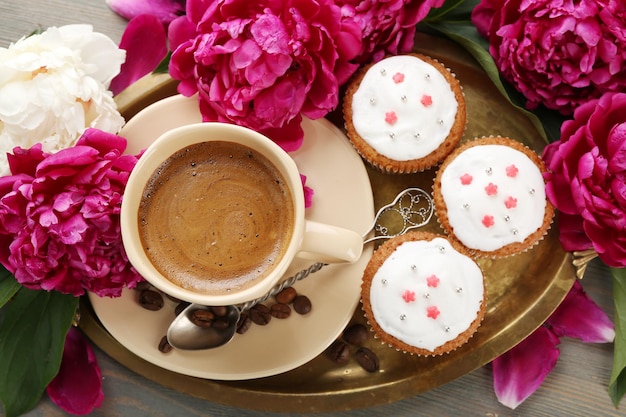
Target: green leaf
{"type": "Point", "coordinates": [617, 383]}
{"type": "Point", "coordinates": [8, 286]}
{"type": "Point", "coordinates": [32, 335]}
{"type": "Point", "coordinates": [453, 10]}
{"type": "Point", "coordinates": [163, 67]}
{"type": "Point", "coordinates": [450, 10]}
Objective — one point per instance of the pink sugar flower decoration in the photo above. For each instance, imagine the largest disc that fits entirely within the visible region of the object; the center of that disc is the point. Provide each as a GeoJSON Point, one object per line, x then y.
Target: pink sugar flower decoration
{"type": "Point", "coordinates": [466, 179]}
{"type": "Point", "coordinates": [432, 281]}
{"type": "Point", "coordinates": [426, 100]}
{"type": "Point", "coordinates": [488, 221]}
{"type": "Point", "coordinates": [391, 117]}
{"type": "Point", "coordinates": [511, 171]}
{"type": "Point", "coordinates": [510, 202]}
{"type": "Point", "coordinates": [432, 312]}
{"type": "Point", "coordinates": [408, 296]}
{"type": "Point", "coordinates": [491, 189]}
{"type": "Point", "coordinates": [398, 77]}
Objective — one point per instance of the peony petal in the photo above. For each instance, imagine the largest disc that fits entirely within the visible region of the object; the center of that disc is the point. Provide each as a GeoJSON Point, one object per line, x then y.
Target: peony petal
{"type": "Point", "coordinates": [520, 371]}
{"type": "Point", "coordinates": [308, 192]}
{"type": "Point", "coordinates": [580, 317]}
{"type": "Point", "coordinates": [77, 388]}
{"type": "Point", "coordinates": [164, 10]}
{"type": "Point", "coordinates": [145, 43]}
{"type": "Point", "coordinates": [572, 234]}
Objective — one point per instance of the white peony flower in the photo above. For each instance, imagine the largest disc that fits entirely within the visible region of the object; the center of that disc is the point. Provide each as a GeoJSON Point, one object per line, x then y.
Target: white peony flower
{"type": "Point", "coordinates": [54, 85]}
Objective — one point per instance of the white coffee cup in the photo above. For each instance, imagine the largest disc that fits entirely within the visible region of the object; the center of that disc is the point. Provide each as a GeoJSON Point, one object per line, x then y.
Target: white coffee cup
{"type": "Point", "coordinates": [309, 239]}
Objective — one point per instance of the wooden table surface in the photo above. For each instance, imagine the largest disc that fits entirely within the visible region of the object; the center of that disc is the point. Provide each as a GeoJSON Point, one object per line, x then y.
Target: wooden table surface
{"type": "Point", "coordinates": [577, 386]}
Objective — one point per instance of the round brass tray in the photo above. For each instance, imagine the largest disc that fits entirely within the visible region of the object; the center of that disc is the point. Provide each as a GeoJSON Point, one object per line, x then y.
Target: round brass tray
{"type": "Point", "coordinates": [522, 290]}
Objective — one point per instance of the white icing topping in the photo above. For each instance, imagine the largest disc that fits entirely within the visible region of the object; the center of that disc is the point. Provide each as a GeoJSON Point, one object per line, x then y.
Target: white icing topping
{"type": "Point", "coordinates": [404, 108]}
{"type": "Point", "coordinates": [487, 217]}
{"type": "Point", "coordinates": [426, 293]}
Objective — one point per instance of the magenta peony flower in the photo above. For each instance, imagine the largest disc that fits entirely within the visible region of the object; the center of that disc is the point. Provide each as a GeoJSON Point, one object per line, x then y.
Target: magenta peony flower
{"type": "Point", "coordinates": [262, 64]}
{"type": "Point", "coordinates": [587, 178]}
{"type": "Point", "coordinates": [388, 27]}
{"type": "Point", "coordinates": [557, 53]}
{"type": "Point", "coordinates": [77, 388]}
{"type": "Point", "coordinates": [59, 217]}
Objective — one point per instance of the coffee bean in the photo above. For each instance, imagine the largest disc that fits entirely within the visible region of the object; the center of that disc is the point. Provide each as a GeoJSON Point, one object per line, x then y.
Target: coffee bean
{"type": "Point", "coordinates": [339, 352]}
{"type": "Point", "coordinates": [260, 314]}
{"type": "Point", "coordinates": [180, 307]}
{"type": "Point", "coordinates": [367, 359]}
{"type": "Point", "coordinates": [142, 285]}
{"type": "Point", "coordinates": [244, 323]}
{"type": "Point", "coordinates": [286, 295]}
{"type": "Point", "coordinates": [151, 300]}
{"type": "Point", "coordinates": [355, 334]}
{"type": "Point", "coordinates": [220, 323]}
{"type": "Point", "coordinates": [280, 310]}
{"type": "Point", "coordinates": [219, 311]}
{"type": "Point", "coordinates": [202, 318]}
{"type": "Point", "coordinates": [164, 345]}
{"type": "Point", "coordinates": [302, 304]}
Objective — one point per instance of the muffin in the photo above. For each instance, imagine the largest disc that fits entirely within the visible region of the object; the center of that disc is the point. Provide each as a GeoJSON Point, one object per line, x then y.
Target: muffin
{"type": "Point", "coordinates": [489, 194]}
{"type": "Point", "coordinates": [422, 294]}
{"type": "Point", "coordinates": [405, 113]}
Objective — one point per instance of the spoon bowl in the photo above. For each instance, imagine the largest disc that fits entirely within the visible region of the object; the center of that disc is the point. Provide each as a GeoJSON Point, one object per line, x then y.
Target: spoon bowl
{"type": "Point", "coordinates": [184, 334]}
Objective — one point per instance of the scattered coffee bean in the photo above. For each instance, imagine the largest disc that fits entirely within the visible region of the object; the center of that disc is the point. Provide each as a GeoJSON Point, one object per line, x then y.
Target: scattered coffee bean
{"type": "Point", "coordinates": [180, 307]}
{"type": "Point", "coordinates": [367, 359]}
{"type": "Point", "coordinates": [202, 318]}
{"type": "Point", "coordinates": [302, 304]}
{"type": "Point", "coordinates": [151, 300]}
{"type": "Point", "coordinates": [244, 323]}
{"type": "Point", "coordinates": [220, 323]}
{"type": "Point", "coordinates": [164, 345]}
{"type": "Point", "coordinates": [280, 310]}
{"type": "Point", "coordinates": [260, 314]}
{"type": "Point", "coordinates": [219, 311]}
{"type": "Point", "coordinates": [286, 295]}
{"type": "Point", "coordinates": [339, 352]}
{"type": "Point", "coordinates": [142, 285]}
{"type": "Point", "coordinates": [355, 334]}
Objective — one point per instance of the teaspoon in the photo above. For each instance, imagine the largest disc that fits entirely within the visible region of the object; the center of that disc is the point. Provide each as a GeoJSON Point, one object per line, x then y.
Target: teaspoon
{"type": "Point", "coordinates": [414, 208]}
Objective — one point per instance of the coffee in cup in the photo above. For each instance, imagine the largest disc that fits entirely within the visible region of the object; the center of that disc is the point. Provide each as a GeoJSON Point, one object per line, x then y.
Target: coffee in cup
{"type": "Point", "coordinates": [213, 213]}
{"type": "Point", "coordinates": [215, 216]}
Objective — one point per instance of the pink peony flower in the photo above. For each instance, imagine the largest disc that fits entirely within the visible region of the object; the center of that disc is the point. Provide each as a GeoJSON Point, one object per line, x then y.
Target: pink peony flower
{"type": "Point", "coordinates": [557, 53]}
{"type": "Point", "coordinates": [587, 178]}
{"type": "Point", "coordinates": [77, 388]}
{"type": "Point", "coordinates": [59, 217]}
{"type": "Point", "coordinates": [262, 64]}
{"type": "Point", "coordinates": [388, 27]}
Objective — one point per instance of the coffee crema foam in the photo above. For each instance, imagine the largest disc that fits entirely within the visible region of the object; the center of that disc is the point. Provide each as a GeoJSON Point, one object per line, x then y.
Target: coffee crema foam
{"type": "Point", "coordinates": [216, 217]}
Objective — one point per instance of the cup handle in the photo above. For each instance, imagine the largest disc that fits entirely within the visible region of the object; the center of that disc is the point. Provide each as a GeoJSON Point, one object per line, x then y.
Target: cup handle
{"type": "Point", "coordinates": [330, 244]}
